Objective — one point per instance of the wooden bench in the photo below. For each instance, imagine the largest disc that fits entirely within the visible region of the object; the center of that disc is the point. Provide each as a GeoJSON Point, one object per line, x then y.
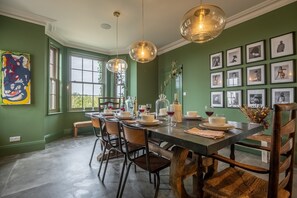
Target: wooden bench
{"type": "Point", "coordinates": [81, 124]}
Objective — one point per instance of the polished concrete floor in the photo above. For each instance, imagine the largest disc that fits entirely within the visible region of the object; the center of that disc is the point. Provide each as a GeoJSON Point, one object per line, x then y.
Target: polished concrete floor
{"type": "Point", "coordinates": [62, 171]}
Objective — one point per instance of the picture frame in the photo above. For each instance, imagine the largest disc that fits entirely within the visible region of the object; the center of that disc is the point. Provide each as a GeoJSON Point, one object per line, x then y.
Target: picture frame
{"type": "Point", "coordinates": [255, 75]}
{"type": "Point", "coordinates": [234, 99]}
{"type": "Point", "coordinates": [282, 45]}
{"type": "Point", "coordinates": [282, 72]}
{"type": "Point", "coordinates": [234, 78]}
{"type": "Point", "coordinates": [217, 98]}
{"type": "Point", "coordinates": [216, 60]}
{"type": "Point", "coordinates": [216, 80]}
{"type": "Point", "coordinates": [255, 51]}
{"type": "Point", "coordinates": [282, 96]}
{"type": "Point", "coordinates": [256, 98]}
{"type": "Point", "coordinates": [234, 57]}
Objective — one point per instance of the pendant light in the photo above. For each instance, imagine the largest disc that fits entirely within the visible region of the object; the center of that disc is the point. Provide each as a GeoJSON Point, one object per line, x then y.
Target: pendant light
{"type": "Point", "coordinates": [203, 23]}
{"type": "Point", "coordinates": [117, 65]}
{"type": "Point", "coordinates": [143, 51]}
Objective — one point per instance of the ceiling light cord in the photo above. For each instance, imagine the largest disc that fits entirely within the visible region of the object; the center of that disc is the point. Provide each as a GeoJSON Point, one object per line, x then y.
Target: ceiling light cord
{"type": "Point", "coordinates": [117, 35]}
{"type": "Point", "coordinates": [142, 9]}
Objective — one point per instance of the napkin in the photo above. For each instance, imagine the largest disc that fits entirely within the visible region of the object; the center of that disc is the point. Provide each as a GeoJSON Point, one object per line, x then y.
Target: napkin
{"type": "Point", "coordinates": [206, 133]}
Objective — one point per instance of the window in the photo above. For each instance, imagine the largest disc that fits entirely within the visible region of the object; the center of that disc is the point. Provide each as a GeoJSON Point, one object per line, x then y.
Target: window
{"type": "Point", "coordinates": [120, 84]}
{"type": "Point", "coordinates": [86, 82]}
{"type": "Point", "coordinates": [54, 78]}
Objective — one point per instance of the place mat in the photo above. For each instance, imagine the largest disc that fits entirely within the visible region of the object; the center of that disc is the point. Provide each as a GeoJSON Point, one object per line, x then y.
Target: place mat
{"type": "Point", "coordinates": [129, 121]}
{"type": "Point", "coordinates": [206, 133]}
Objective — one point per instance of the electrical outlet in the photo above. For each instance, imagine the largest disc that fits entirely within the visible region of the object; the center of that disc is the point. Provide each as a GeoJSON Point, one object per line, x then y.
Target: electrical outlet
{"type": "Point", "coordinates": [15, 139]}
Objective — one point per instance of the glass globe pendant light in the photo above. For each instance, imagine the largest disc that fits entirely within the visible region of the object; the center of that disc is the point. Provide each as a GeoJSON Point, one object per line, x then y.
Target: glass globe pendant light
{"type": "Point", "coordinates": [117, 65]}
{"type": "Point", "coordinates": [203, 23]}
{"type": "Point", "coordinates": [143, 51]}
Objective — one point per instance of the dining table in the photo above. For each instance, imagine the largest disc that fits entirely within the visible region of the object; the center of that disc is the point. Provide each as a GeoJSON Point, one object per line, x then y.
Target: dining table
{"type": "Point", "coordinates": [202, 147]}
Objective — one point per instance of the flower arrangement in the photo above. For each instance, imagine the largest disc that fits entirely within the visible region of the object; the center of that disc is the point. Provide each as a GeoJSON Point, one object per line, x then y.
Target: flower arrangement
{"type": "Point", "coordinates": [176, 70]}
{"type": "Point", "coordinates": [256, 115]}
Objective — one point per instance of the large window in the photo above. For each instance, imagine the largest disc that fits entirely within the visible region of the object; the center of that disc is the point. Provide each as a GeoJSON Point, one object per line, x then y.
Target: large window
{"type": "Point", "coordinates": [54, 78]}
{"type": "Point", "coordinates": [120, 84]}
{"type": "Point", "coordinates": [86, 82]}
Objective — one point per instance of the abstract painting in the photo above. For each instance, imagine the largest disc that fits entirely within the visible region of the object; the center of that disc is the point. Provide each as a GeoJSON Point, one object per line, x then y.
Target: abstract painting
{"type": "Point", "coordinates": [15, 78]}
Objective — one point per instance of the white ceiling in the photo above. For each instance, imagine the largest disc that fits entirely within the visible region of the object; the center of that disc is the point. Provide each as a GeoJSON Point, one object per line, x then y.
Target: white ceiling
{"type": "Point", "coordinates": [76, 23]}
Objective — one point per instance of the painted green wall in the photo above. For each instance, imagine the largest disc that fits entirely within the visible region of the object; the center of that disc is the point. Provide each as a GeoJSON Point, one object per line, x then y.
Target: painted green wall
{"type": "Point", "coordinates": [195, 59]}
{"type": "Point", "coordinates": [25, 120]}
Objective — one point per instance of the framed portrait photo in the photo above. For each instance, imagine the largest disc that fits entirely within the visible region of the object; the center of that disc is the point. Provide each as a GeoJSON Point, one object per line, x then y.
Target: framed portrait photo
{"type": "Point", "coordinates": [217, 98]}
{"type": "Point", "coordinates": [234, 57]}
{"type": "Point", "coordinates": [255, 52]}
{"type": "Point", "coordinates": [256, 98]}
{"type": "Point", "coordinates": [282, 72]}
{"type": "Point", "coordinates": [216, 60]}
{"type": "Point", "coordinates": [216, 80]}
{"type": "Point", "coordinates": [234, 78]}
{"type": "Point", "coordinates": [282, 45]}
{"type": "Point", "coordinates": [255, 75]}
{"type": "Point", "coordinates": [234, 99]}
{"type": "Point", "coordinates": [282, 96]}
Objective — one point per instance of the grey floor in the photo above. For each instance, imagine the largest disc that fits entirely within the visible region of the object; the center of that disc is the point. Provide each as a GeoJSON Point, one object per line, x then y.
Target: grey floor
{"type": "Point", "coordinates": [62, 171]}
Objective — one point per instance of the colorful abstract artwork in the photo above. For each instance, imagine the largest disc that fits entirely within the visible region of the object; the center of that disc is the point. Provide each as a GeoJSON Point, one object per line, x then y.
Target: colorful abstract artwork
{"type": "Point", "coordinates": [15, 78]}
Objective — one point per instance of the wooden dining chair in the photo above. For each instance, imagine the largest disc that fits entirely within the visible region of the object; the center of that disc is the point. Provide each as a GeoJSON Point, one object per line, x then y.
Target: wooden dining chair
{"type": "Point", "coordinates": [97, 132]}
{"type": "Point", "coordinates": [113, 102]}
{"type": "Point", "coordinates": [236, 182]}
{"type": "Point", "coordinates": [148, 161]}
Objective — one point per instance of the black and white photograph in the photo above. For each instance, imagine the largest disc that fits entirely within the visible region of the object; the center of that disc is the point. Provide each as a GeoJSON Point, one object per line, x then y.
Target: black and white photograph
{"type": "Point", "coordinates": [282, 72]}
{"type": "Point", "coordinates": [256, 98]}
{"type": "Point", "coordinates": [282, 45]}
{"type": "Point", "coordinates": [217, 99]}
{"type": "Point", "coordinates": [282, 96]}
{"type": "Point", "coordinates": [216, 80]}
{"type": "Point", "coordinates": [255, 52]}
{"type": "Point", "coordinates": [234, 78]}
{"type": "Point", "coordinates": [216, 60]}
{"type": "Point", "coordinates": [234, 57]}
{"type": "Point", "coordinates": [255, 75]}
{"type": "Point", "coordinates": [234, 99]}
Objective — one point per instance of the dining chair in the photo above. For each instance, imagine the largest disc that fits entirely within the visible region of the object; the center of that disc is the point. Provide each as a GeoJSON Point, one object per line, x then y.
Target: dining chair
{"type": "Point", "coordinates": [237, 182]}
{"type": "Point", "coordinates": [113, 102]}
{"type": "Point", "coordinates": [97, 132]}
{"type": "Point", "coordinates": [113, 140]}
{"type": "Point", "coordinates": [147, 161]}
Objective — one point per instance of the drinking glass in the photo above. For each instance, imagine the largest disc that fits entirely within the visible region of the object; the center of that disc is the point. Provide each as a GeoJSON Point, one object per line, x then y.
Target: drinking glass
{"type": "Point", "coordinates": [170, 113]}
{"type": "Point", "coordinates": [141, 109]}
{"type": "Point", "coordinates": [209, 110]}
{"type": "Point", "coordinates": [148, 108]}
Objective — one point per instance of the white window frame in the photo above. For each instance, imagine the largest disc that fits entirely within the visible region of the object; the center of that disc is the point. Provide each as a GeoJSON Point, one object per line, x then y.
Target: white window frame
{"type": "Point", "coordinates": [54, 79]}
{"type": "Point", "coordinates": [71, 82]}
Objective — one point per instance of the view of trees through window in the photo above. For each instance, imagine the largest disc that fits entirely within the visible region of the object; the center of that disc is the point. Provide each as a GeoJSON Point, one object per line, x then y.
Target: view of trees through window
{"type": "Point", "coordinates": [87, 82]}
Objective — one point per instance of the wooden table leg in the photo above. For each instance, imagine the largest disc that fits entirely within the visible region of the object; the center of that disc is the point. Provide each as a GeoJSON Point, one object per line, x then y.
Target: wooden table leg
{"type": "Point", "coordinates": [179, 170]}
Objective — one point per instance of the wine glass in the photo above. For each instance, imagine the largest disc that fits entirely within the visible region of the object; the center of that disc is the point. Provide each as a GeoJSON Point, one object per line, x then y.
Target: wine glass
{"type": "Point", "coordinates": [170, 113]}
{"type": "Point", "coordinates": [209, 110]}
{"type": "Point", "coordinates": [148, 107]}
{"type": "Point", "coordinates": [141, 109]}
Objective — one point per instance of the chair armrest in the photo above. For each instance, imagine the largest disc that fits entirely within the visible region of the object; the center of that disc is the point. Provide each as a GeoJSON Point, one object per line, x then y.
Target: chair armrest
{"type": "Point", "coordinates": [239, 164]}
{"type": "Point", "coordinates": [254, 146]}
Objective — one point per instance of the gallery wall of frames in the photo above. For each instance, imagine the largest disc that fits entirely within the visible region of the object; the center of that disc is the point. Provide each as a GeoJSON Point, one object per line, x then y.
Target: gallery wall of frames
{"type": "Point", "coordinates": [243, 73]}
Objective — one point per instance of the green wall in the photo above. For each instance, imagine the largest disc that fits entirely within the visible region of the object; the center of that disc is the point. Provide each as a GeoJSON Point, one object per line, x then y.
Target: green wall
{"type": "Point", "coordinates": [195, 60]}
{"type": "Point", "coordinates": [25, 120]}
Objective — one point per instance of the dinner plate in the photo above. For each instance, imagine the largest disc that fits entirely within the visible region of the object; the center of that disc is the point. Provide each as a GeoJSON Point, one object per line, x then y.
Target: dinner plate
{"type": "Point", "coordinates": [124, 117]}
{"type": "Point", "coordinates": [147, 123]}
{"type": "Point", "coordinates": [215, 127]}
{"type": "Point", "coordinates": [107, 114]}
{"type": "Point", "coordinates": [192, 117]}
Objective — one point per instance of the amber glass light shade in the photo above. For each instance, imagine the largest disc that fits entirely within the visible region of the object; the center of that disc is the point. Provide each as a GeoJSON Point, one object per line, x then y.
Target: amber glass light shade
{"type": "Point", "coordinates": [143, 51]}
{"type": "Point", "coordinates": [203, 23]}
{"type": "Point", "coordinates": [116, 65]}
